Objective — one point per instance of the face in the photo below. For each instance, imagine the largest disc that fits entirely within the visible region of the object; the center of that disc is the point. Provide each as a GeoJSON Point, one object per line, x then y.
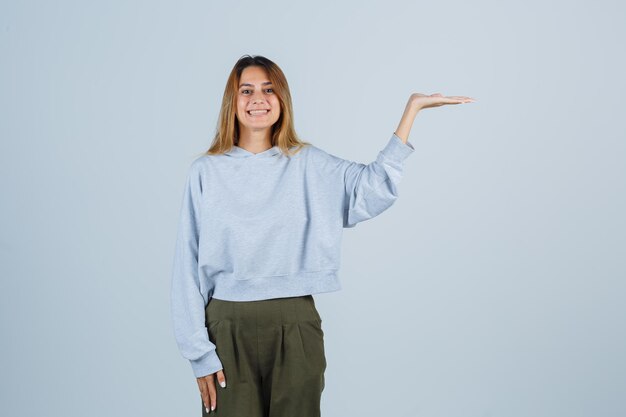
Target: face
{"type": "Point", "coordinates": [256, 93]}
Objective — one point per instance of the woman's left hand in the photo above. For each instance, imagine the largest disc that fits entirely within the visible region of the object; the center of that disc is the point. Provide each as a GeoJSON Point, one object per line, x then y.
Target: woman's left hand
{"type": "Point", "coordinates": [423, 101]}
{"type": "Point", "coordinates": [417, 102]}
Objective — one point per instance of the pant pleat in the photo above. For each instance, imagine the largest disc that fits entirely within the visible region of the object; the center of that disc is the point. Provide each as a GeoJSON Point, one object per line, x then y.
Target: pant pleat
{"type": "Point", "coordinates": [273, 357]}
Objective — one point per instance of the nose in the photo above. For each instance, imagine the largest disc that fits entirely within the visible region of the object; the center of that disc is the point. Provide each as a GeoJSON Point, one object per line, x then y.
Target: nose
{"type": "Point", "coordinates": [257, 97]}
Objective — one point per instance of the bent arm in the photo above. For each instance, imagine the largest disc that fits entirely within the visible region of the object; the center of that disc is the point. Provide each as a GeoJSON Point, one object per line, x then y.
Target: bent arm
{"type": "Point", "coordinates": [406, 122]}
{"type": "Point", "coordinates": [372, 188]}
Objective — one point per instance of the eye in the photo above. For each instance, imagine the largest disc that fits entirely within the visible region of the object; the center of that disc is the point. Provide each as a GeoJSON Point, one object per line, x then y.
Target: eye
{"type": "Point", "coordinates": [269, 89]}
{"type": "Point", "coordinates": [244, 91]}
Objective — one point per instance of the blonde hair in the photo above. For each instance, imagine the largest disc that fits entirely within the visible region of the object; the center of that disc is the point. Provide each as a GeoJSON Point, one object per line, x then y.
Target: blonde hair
{"type": "Point", "coordinates": [283, 131]}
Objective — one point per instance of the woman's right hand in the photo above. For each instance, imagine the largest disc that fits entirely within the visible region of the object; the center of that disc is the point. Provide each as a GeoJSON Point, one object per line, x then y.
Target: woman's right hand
{"type": "Point", "coordinates": [206, 384]}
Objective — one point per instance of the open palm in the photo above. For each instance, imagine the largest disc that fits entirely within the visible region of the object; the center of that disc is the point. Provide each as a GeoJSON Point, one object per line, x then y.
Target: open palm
{"type": "Point", "coordinates": [424, 101]}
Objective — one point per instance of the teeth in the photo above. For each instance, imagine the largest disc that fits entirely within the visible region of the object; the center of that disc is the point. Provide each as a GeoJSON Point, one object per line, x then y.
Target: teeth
{"type": "Point", "coordinates": [255, 112]}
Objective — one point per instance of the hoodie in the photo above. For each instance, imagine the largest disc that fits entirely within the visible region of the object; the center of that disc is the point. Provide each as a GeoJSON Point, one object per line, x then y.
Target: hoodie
{"type": "Point", "coordinates": [265, 225]}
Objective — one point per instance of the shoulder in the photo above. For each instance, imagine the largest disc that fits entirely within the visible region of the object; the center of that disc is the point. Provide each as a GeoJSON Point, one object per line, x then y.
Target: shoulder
{"type": "Point", "coordinates": [200, 163]}
{"type": "Point", "coordinates": [320, 155]}
{"type": "Point", "coordinates": [197, 168]}
{"type": "Point", "coordinates": [325, 163]}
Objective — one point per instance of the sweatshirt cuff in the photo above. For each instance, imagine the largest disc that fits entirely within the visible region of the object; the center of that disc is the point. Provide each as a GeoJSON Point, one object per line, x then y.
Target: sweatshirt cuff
{"type": "Point", "coordinates": [398, 150]}
{"type": "Point", "coordinates": [206, 365]}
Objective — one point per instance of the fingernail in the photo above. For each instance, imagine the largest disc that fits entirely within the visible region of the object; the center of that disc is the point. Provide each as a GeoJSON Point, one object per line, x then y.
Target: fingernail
{"type": "Point", "coordinates": [223, 384]}
{"type": "Point", "coordinates": [212, 407]}
{"type": "Point", "coordinates": [207, 409]}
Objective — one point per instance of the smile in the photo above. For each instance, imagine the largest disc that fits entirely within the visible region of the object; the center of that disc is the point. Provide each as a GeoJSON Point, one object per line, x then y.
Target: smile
{"type": "Point", "coordinates": [257, 112]}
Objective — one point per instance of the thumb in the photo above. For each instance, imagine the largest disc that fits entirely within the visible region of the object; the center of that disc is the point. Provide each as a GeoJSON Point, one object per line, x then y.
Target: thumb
{"type": "Point", "coordinates": [221, 379]}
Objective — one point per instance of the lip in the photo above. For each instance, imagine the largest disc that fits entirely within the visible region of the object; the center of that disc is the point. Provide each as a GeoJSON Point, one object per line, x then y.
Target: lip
{"type": "Point", "coordinates": [251, 115]}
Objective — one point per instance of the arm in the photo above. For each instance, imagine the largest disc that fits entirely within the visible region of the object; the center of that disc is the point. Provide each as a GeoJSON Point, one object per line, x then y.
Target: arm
{"type": "Point", "coordinates": [418, 102]}
{"type": "Point", "coordinates": [187, 303]}
{"type": "Point", "coordinates": [371, 189]}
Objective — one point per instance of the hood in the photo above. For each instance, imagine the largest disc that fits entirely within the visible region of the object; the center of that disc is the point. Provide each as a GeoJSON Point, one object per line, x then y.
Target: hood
{"type": "Point", "coordinates": [238, 152]}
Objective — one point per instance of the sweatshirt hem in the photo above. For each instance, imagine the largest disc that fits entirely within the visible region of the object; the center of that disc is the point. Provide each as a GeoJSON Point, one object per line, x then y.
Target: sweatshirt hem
{"type": "Point", "coordinates": [397, 150]}
{"type": "Point", "coordinates": [295, 284]}
{"type": "Point", "coordinates": [206, 365]}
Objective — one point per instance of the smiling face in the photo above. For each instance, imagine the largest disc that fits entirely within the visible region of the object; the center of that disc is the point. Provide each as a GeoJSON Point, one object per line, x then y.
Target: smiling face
{"type": "Point", "coordinates": [258, 108]}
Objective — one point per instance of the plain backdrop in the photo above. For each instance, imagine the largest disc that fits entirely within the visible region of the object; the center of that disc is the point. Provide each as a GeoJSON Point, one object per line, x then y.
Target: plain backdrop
{"type": "Point", "coordinates": [494, 286]}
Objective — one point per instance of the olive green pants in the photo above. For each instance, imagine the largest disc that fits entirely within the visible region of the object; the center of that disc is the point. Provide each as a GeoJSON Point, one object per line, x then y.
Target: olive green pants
{"type": "Point", "coordinates": [273, 356]}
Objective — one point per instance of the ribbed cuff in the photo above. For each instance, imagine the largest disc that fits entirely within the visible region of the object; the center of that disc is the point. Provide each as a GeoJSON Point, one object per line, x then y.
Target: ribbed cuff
{"type": "Point", "coordinates": [398, 150]}
{"type": "Point", "coordinates": [206, 365]}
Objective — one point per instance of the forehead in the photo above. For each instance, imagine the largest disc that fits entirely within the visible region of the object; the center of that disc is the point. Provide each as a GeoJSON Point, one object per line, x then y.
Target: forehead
{"type": "Point", "coordinates": [254, 75]}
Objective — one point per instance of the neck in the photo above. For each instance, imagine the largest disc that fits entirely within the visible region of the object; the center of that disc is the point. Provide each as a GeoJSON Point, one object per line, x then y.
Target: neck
{"type": "Point", "coordinates": [254, 140]}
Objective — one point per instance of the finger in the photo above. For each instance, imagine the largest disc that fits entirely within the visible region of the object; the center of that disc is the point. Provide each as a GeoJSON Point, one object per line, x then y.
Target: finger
{"type": "Point", "coordinates": [221, 379]}
{"type": "Point", "coordinates": [204, 392]}
{"type": "Point", "coordinates": [464, 99]}
{"type": "Point", "coordinates": [460, 100]}
{"type": "Point", "coordinates": [451, 100]}
{"type": "Point", "coordinates": [212, 393]}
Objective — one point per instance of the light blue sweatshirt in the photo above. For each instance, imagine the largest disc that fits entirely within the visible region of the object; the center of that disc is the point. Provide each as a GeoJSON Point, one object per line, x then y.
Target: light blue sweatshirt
{"type": "Point", "coordinates": [259, 226]}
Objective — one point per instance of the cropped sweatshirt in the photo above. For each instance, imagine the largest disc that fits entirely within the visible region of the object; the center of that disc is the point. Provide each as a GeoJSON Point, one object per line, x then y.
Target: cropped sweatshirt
{"type": "Point", "coordinates": [266, 225]}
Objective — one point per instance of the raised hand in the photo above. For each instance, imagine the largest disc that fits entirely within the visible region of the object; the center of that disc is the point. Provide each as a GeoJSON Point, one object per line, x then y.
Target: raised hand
{"type": "Point", "coordinates": [423, 101]}
{"type": "Point", "coordinates": [419, 101]}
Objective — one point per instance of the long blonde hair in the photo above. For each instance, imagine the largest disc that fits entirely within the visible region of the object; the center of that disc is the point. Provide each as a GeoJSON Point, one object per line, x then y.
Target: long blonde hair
{"type": "Point", "coordinates": [283, 131]}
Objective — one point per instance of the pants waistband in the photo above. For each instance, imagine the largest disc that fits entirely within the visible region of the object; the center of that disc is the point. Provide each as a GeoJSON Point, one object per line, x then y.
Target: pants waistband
{"type": "Point", "coordinates": [273, 311]}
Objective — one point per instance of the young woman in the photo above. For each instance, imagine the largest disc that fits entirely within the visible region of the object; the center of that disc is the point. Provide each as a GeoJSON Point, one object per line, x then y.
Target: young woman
{"type": "Point", "coordinates": [260, 233]}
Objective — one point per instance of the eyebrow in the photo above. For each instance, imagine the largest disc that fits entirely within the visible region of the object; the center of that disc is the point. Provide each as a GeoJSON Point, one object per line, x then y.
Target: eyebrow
{"type": "Point", "coordinates": [252, 85]}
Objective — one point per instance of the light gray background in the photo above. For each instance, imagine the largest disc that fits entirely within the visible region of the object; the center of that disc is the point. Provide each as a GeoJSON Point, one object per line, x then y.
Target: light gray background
{"type": "Point", "coordinates": [493, 287]}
